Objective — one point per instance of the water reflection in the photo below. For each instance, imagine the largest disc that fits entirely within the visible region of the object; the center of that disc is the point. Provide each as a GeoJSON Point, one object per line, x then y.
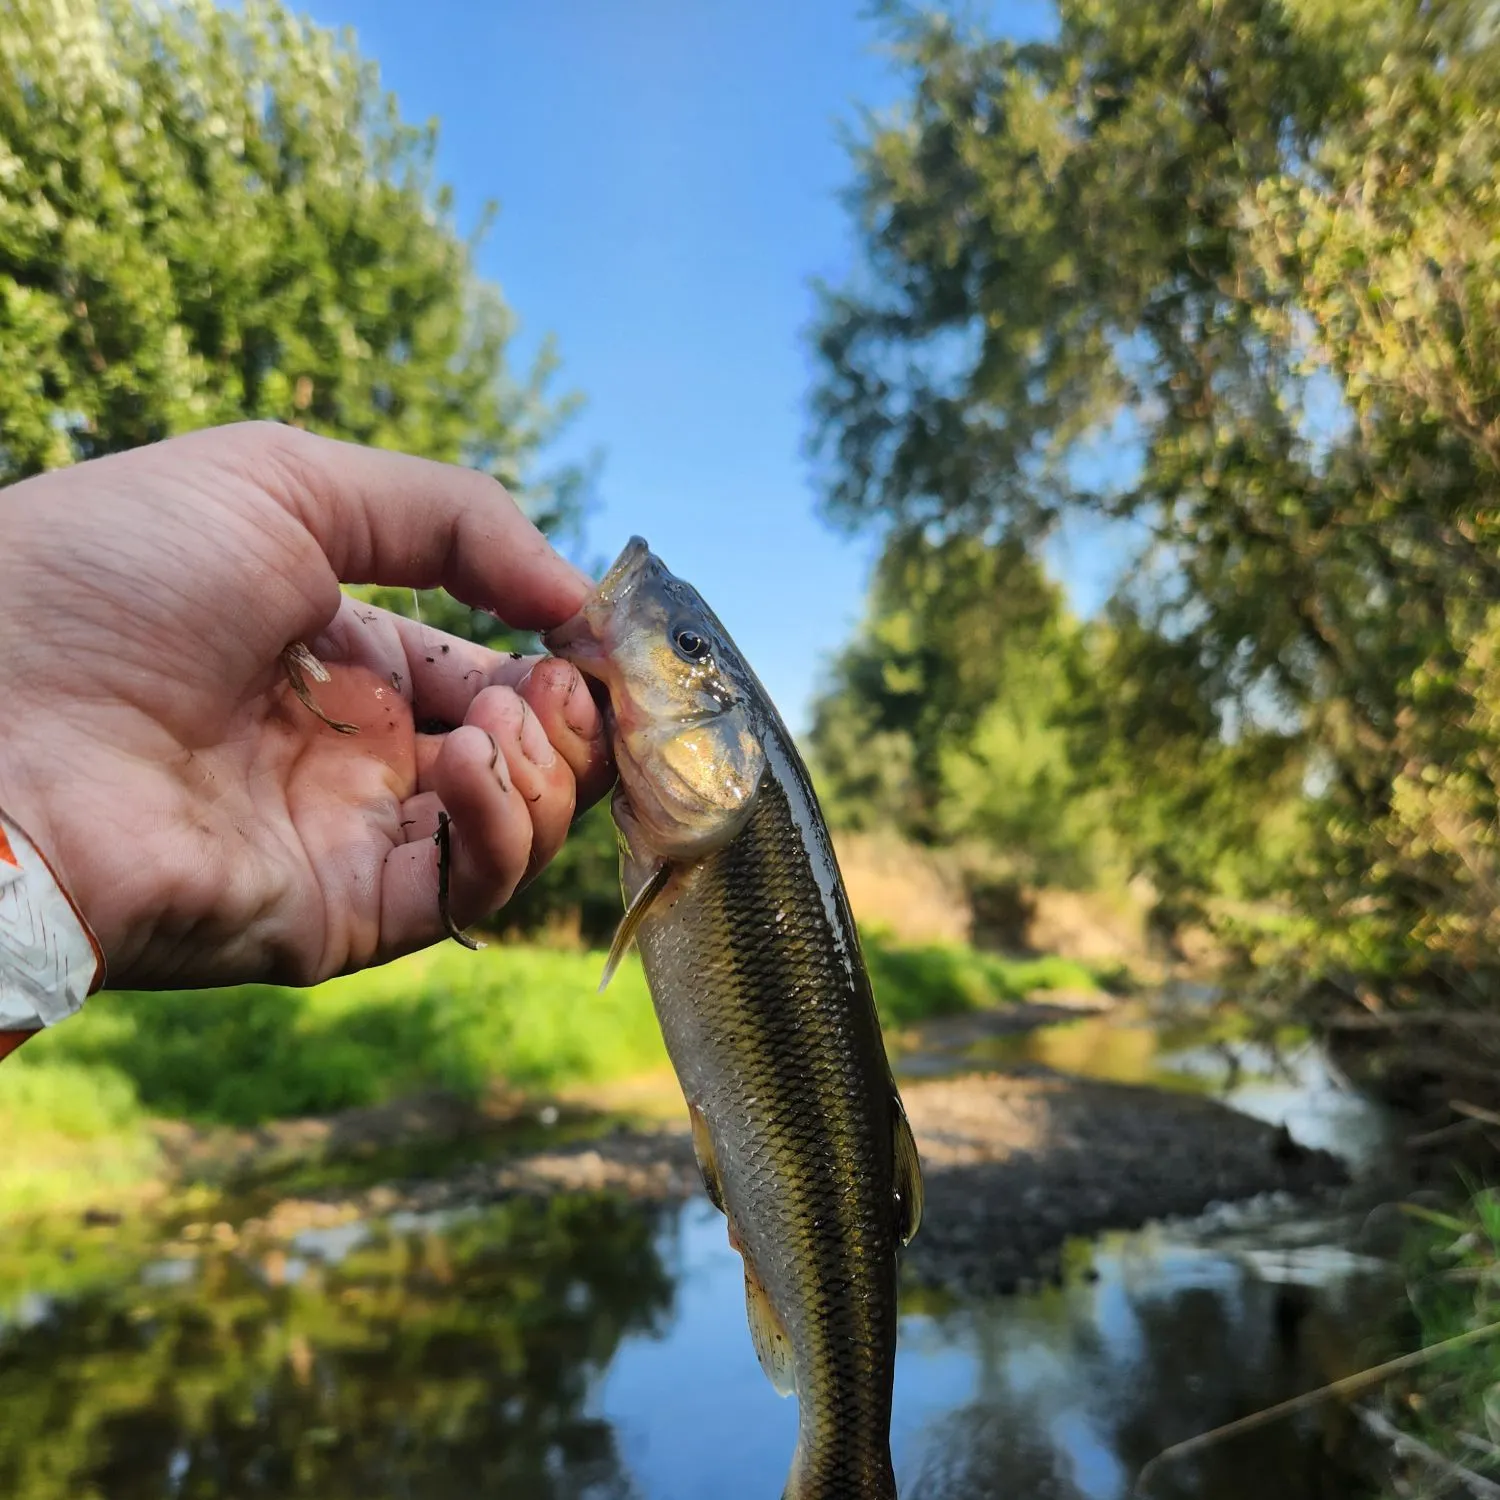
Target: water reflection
{"type": "Point", "coordinates": [1073, 1392]}
{"type": "Point", "coordinates": [578, 1350]}
{"type": "Point", "coordinates": [1068, 1393]}
{"type": "Point", "coordinates": [443, 1361]}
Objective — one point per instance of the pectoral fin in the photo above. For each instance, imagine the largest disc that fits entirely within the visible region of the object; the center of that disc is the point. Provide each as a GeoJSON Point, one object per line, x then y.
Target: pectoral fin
{"type": "Point", "coordinates": [703, 1149]}
{"type": "Point", "coordinates": [908, 1175]}
{"type": "Point", "coordinates": [767, 1333]}
{"type": "Point", "coordinates": [630, 923]}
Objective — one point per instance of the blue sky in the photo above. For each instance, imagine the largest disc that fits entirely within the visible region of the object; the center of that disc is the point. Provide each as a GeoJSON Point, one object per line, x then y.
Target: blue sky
{"type": "Point", "coordinates": [667, 173]}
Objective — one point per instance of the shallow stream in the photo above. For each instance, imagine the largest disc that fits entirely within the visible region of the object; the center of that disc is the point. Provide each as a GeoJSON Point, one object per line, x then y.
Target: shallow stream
{"type": "Point", "coordinates": [583, 1348]}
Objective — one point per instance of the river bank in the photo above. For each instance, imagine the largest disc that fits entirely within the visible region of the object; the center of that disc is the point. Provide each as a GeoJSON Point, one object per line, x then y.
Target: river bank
{"type": "Point", "coordinates": [1017, 1161]}
{"type": "Point", "coordinates": [100, 1108]}
{"type": "Point", "coordinates": [1015, 1166]}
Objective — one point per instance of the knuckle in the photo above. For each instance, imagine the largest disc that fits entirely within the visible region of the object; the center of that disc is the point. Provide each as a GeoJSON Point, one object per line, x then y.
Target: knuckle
{"type": "Point", "coordinates": [283, 458]}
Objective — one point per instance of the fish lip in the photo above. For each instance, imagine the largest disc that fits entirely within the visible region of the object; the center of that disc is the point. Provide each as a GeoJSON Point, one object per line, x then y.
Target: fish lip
{"type": "Point", "coordinates": [575, 639]}
{"type": "Point", "coordinates": [581, 638]}
{"type": "Point", "coordinates": [624, 573]}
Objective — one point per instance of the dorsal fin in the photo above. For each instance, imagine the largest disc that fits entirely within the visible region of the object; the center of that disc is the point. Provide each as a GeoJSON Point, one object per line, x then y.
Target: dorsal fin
{"type": "Point", "coordinates": [908, 1174]}
{"type": "Point", "coordinates": [630, 923]}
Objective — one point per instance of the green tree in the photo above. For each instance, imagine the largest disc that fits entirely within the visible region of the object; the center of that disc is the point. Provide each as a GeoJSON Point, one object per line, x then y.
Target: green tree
{"type": "Point", "coordinates": [209, 215]}
{"type": "Point", "coordinates": [1386, 243]}
{"type": "Point", "coordinates": [1213, 812]}
{"type": "Point", "coordinates": [947, 718]}
{"type": "Point", "coordinates": [1251, 244]}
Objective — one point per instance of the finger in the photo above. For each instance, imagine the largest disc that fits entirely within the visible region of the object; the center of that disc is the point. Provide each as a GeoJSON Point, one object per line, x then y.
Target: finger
{"type": "Point", "coordinates": [389, 518]}
{"type": "Point", "coordinates": [490, 845]}
{"type": "Point", "coordinates": [438, 674]}
{"type": "Point", "coordinates": [447, 673]}
{"type": "Point", "coordinates": [557, 694]}
{"type": "Point", "coordinates": [541, 776]}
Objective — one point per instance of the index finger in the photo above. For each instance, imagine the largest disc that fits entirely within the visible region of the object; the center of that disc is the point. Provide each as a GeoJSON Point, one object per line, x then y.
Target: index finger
{"type": "Point", "coordinates": [389, 518]}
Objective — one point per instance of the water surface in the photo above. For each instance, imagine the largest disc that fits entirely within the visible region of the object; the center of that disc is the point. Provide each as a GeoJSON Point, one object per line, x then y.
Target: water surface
{"type": "Point", "coordinates": [577, 1348]}
{"type": "Point", "coordinates": [591, 1349]}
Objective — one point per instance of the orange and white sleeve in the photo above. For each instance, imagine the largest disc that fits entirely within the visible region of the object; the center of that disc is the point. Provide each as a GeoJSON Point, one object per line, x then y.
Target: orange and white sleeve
{"type": "Point", "coordinates": [50, 962]}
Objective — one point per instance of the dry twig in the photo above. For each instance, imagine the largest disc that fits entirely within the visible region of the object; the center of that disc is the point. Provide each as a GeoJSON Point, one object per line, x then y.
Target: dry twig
{"type": "Point", "coordinates": [1350, 1385]}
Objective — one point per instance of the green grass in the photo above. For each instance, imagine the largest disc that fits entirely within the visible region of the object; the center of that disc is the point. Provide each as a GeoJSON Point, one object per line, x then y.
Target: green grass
{"type": "Point", "coordinates": [938, 979]}
{"type": "Point", "coordinates": [71, 1132]}
{"type": "Point", "coordinates": [445, 1018]}
{"type": "Point", "coordinates": [1452, 1266]}
{"type": "Point", "coordinates": [76, 1102]}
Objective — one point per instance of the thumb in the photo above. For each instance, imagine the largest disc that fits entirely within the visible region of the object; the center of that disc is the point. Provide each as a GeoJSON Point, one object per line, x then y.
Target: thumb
{"type": "Point", "coordinates": [388, 518]}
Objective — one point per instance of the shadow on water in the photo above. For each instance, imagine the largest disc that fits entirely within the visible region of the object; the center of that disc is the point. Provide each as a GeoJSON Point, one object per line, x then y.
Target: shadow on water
{"type": "Point", "coordinates": [443, 1361]}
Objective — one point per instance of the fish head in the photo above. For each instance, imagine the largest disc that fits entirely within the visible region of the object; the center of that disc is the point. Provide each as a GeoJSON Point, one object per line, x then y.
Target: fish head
{"type": "Point", "coordinates": [680, 704]}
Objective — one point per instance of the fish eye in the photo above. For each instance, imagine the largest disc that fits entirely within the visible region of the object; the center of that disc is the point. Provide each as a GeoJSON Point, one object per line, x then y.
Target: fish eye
{"type": "Point", "coordinates": [690, 645]}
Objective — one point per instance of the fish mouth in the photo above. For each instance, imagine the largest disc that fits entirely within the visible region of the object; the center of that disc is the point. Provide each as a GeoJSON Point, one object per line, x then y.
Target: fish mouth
{"type": "Point", "coordinates": [624, 573]}
{"type": "Point", "coordinates": [582, 639]}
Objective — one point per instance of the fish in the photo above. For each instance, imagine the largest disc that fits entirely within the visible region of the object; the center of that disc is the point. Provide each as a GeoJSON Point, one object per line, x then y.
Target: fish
{"type": "Point", "coordinates": [734, 899]}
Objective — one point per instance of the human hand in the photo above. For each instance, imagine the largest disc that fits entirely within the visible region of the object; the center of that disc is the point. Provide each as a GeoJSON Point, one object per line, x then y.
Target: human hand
{"type": "Point", "coordinates": [209, 826]}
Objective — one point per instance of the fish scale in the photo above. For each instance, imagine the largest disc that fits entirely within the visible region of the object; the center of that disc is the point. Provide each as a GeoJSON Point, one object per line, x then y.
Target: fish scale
{"type": "Point", "coordinates": [775, 1041]}
{"type": "Point", "coordinates": [736, 903]}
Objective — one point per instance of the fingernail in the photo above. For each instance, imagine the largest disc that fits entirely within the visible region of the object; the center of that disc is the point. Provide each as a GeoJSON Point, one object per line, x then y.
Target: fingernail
{"type": "Point", "coordinates": [535, 745]}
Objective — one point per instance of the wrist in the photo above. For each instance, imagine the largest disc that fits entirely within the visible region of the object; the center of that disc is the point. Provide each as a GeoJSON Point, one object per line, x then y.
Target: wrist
{"type": "Point", "coordinates": [50, 958]}
{"type": "Point", "coordinates": [52, 788]}
{"type": "Point", "coordinates": [24, 803]}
